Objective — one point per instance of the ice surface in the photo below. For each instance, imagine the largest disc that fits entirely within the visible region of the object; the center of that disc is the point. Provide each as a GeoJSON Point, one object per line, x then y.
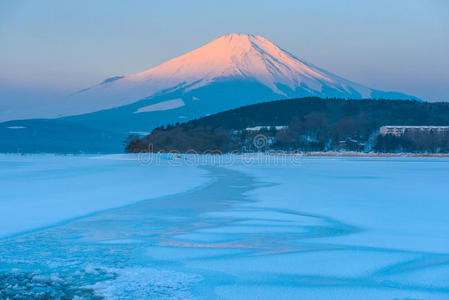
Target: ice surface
{"type": "Point", "coordinates": [398, 203]}
{"type": "Point", "coordinates": [146, 283]}
{"type": "Point", "coordinates": [40, 190]}
{"type": "Point", "coordinates": [315, 228]}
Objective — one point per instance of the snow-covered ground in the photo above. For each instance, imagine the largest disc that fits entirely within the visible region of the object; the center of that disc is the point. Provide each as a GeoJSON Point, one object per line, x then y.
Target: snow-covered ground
{"type": "Point", "coordinates": [307, 228]}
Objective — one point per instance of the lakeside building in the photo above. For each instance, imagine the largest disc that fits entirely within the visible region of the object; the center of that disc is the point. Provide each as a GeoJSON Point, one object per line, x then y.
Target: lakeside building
{"type": "Point", "coordinates": [401, 130]}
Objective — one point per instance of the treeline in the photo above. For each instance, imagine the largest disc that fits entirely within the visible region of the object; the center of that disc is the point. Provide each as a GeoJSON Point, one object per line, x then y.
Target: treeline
{"type": "Point", "coordinates": [312, 124]}
{"type": "Point", "coordinates": [428, 142]}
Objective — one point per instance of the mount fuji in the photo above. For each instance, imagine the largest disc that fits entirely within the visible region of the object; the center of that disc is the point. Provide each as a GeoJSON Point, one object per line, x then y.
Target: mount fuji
{"type": "Point", "coordinates": [233, 70]}
{"type": "Point", "coordinates": [236, 59]}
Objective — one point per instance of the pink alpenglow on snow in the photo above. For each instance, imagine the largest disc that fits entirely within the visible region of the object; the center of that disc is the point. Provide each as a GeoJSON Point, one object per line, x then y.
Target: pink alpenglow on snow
{"type": "Point", "coordinates": [232, 57]}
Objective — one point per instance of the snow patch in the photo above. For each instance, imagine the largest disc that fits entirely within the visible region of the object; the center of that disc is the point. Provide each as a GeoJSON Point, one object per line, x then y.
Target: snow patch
{"type": "Point", "coordinates": [165, 105]}
{"type": "Point", "coordinates": [141, 133]}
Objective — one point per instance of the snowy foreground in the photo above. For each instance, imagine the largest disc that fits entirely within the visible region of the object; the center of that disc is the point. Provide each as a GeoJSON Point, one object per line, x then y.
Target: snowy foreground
{"type": "Point", "coordinates": [297, 228]}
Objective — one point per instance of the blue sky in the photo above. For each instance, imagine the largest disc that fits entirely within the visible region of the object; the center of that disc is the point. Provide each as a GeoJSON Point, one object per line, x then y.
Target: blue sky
{"type": "Point", "coordinates": [52, 47]}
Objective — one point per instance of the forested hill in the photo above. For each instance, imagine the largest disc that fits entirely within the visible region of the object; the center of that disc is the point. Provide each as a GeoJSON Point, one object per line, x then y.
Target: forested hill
{"type": "Point", "coordinates": [302, 124]}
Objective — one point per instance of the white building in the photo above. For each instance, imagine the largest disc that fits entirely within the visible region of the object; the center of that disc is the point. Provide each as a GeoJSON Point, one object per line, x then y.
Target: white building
{"type": "Point", "coordinates": [401, 130]}
{"type": "Point", "coordinates": [260, 128]}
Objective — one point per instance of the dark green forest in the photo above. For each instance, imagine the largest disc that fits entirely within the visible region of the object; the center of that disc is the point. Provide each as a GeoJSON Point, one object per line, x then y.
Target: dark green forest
{"type": "Point", "coordinates": [310, 124]}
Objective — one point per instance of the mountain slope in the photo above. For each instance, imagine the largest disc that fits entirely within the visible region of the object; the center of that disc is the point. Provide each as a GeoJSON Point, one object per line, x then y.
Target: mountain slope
{"type": "Point", "coordinates": [230, 58]}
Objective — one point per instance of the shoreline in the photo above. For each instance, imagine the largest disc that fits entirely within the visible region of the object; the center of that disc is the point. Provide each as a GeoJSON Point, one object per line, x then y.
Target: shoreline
{"type": "Point", "coordinates": [272, 153]}
{"type": "Point", "coordinates": [362, 154]}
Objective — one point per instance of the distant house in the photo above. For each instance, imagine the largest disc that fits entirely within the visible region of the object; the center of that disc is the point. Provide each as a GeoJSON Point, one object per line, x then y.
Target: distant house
{"type": "Point", "coordinates": [401, 130]}
{"type": "Point", "coordinates": [260, 128]}
{"type": "Point", "coordinates": [257, 129]}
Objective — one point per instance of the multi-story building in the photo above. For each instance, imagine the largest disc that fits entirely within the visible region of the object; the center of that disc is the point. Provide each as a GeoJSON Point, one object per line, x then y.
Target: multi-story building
{"type": "Point", "coordinates": [401, 130]}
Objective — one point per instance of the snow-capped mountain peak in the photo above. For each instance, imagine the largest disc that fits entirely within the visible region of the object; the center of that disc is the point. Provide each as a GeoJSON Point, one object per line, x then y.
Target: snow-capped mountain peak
{"type": "Point", "coordinates": [239, 56]}
{"type": "Point", "coordinates": [232, 57]}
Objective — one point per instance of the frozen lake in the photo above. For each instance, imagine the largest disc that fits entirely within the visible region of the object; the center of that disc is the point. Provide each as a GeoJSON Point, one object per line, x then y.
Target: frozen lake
{"type": "Point", "coordinates": [309, 228]}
